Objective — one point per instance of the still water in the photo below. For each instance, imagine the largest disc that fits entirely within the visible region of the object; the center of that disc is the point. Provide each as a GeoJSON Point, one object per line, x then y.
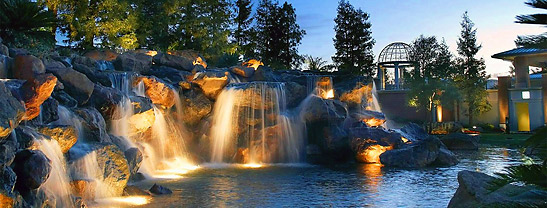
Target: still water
{"type": "Point", "coordinates": [362, 185]}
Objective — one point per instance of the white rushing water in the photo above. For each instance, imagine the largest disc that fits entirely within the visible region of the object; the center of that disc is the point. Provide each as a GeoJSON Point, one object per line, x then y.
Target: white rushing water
{"type": "Point", "coordinates": [57, 186]}
{"type": "Point", "coordinates": [251, 125]}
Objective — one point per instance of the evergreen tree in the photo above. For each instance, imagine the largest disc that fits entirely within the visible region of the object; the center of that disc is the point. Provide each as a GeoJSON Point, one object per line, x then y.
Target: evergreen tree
{"type": "Point", "coordinates": [277, 34]}
{"type": "Point", "coordinates": [243, 20]}
{"type": "Point", "coordinates": [353, 40]}
{"type": "Point", "coordinates": [534, 41]}
{"type": "Point", "coordinates": [472, 75]}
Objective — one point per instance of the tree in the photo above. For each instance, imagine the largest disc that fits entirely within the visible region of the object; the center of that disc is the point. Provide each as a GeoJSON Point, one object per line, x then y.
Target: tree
{"type": "Point", "coordinates": [316, 63]}
{"type": "Point", "coordinates": [353, 40]}
{"type": "Point", "coordinates": [472, 76]}
{"type": "Point", "coordinates": [26, 24]}
{"type": "Point", "coordinates": [431, 81]}
{"type": "Point", "coordinates": [533, 41]}
{"type": "Point", "coordinates": [242, 33]}
{"type": "Point", "coordinates": [277, 34]}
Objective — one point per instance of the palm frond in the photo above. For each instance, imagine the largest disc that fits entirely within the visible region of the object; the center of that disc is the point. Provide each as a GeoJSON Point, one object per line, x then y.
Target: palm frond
{"type": "Point", "coordinates": [538, 141]}
{"type": "Point", "coordinates": [540, 19]}
{"type": "Point", "coordinates": [533, 174]}
{"type": "Point", "coordinates": [540, 4]}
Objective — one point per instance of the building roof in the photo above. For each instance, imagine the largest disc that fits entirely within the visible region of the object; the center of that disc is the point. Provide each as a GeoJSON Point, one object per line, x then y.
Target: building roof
{"type": "Point", "coordinates": [511, 54]}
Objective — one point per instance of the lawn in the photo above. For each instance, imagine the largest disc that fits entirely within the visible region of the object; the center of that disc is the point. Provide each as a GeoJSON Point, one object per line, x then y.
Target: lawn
{"type": "Point", "coordinates": [509, 140]}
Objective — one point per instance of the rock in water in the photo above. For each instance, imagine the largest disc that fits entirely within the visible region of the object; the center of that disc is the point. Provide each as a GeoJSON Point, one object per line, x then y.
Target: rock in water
{"type": "Point", "coordinates": [461, 141]}
{"type": "Point", "coordinates": [136, 62]}
{"type": "Point", "coordinates": [108, 101]}
{"type": "Point", "coordinates": [181, 60]}
{"type": "Point", "coordinates": [7, 184]}
{"type": "Point", "coordinates": [369, 143]}
{"type": "Point", "coordinates": [27, 67]}
{"type": "Point", "coordinates": [445, 158]}
{"type": "Point", "coordinates": [159, 190]}
{"type": "Point", "coordinates": [66, 136]}
{"type": "Point", "coordinates": [35, 91]}
{"type": "Point", "coordinates": [12, 111]}
{"type": "Point", "coordinates": [416, 155]}
{"type": "Point", "coordinates": [94, 126]}
{"type": "Point", "coordinates": [473, 192]}
{"type": "Point", "coordinates": [76, 84]}
{"type": "Point", "coordinates": [195, 106]}
{"type": "Point", "coordinates": [315, 108]}
{"type": "Point", "coordinates": [158, 91]}
{"type": "Point", "coordinates": [32, 168]}
{"type": "Point", "coordinates": [134, 158]}
{"type": "Point", "coordinates": [134, 191]}
{"type": "Point", "coordinates": [211, 82]}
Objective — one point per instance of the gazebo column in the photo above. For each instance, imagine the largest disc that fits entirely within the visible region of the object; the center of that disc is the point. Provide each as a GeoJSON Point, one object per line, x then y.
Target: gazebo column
{"type": "Point", "coordinates": [504, 83]}
{"type": "Point", "coordinates": [381, 77]}
{"type": "Point", "coordinates": [521, 72]}
{"type": "Point", "coordinates": [544, 90]}
{"type": "Point", "coordinates": [396, 75]}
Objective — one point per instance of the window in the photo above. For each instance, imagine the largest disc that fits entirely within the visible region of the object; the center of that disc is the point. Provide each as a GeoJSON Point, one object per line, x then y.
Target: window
{"type": "Point", "coordinates": [525, 95]}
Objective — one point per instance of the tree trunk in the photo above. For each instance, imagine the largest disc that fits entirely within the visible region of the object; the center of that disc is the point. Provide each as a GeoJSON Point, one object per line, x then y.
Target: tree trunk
{"type": "Point", "coordinates": [470, 110]}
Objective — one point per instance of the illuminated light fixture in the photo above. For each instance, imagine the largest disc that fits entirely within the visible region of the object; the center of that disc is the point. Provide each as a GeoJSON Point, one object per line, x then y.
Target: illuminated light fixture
{"type": "Point", "coordinates": [439, 113]}
{"type": "Point", "coordinates": [131, 200]}
{"type": "Point", "coordinates": [252, 165]}
{"type": "Point", "coordinates": [525, 95]}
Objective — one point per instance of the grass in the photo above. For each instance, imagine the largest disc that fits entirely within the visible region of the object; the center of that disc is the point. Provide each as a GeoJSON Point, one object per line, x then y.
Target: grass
{"type": "Point", "coordinates": [500, 139]}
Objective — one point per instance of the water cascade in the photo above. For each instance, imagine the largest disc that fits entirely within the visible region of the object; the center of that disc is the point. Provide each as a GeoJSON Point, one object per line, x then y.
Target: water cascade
{"type": "Point", "coordinates": [251, 125]}
{"type": "Point", "coordinates": [321, 86]}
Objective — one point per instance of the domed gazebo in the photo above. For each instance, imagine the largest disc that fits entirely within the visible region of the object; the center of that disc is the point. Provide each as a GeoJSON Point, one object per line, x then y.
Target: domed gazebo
{"type": "Point", "coordinates": [393, 56]}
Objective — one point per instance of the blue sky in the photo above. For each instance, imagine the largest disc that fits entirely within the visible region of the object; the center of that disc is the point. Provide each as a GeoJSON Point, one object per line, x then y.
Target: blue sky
{"type": "Point", "coordinates": [404, 20]}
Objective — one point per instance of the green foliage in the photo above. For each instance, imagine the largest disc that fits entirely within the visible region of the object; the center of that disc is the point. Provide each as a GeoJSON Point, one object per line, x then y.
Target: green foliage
{"type": "Point", "coordinates": [538, 141]}
{"type": "Point", "coordinates": [277, 35]}
{"type": "Point", "coordinates": [471, 78]}
{"type": "Point", "coordinates": [226, 60]}
{"type": "Point", "coordinates": [316, 63]}
{"type": "Point", "coordinates": [533, 41]}
{"type": "Point", "coordinates": [25, 24]}
{"type": "Point", "coordinates": [242, 34]}
{"type": "Point", "coordinates": [431, 80]}
{"type": "Point", "coordinates": [353, 40]}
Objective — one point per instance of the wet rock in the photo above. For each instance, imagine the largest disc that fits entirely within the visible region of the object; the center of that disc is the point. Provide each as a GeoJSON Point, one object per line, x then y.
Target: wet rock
{"type": "Point", "coordinates": [159, 190]}
{"type": "Point", "coordinates": [66, 136]}
{"type": "Point", "coordinates": [243, 71]}
{"type": "Point", "coordinates": [35, 92]}
{"type": "Point", "coordinates": [136, 62]}
{"type": "Point", "coordinates": [93, 74]}
{"type": "Point", "coordinates": [370, 118]}
{"type": "Point", "coordinates": [315, 108]}
{"type": "Point", "coordinates": [83, 188]}
{"type": "Point", "coordinates": [8, 148]}
{"type": "Point", "coordinates": [445, 158]}
{"type": "Point", "coordinates": [141, 122]}
{"type": "Point", "coordinates": [158, 91]}
{"type": "Point", "coordinates": [211, 82]}
{"type": "Point", "coordinates": [26, 137]}
{"type": "Point", "coordinates": [169, 74]}
{"type": "Point", "coordinates": [48, 113]}
{"type": "Point", "coordinates": [335, 144]}
{"type": "Point", "coordinates": [413, 132]}
{"type": "Point", "coordinates": [108, 101]}
{"type": "Point", "coordinates": [369, 143]}
{"type": "Point", "coordinates": [415, 155]}
{"type": "Point", "coordinates": [65, 99]}
{"type": "Point", "coordinates": [195, 106]}
{"type": "Point", "coordinates": [105, 55]}
{"type": "Point", "coordinates": [134, 158]}
{"type": "Point", "coordinates": [474, 192]}
{"type": "Point", "coordinates": [85, 61]}
{"type": "Point", "coordinates": [134, 191]}
{"type": "Point", "coordinates": [181, 60]}
{"type": "Point", "coordinates": [32, 168]}
{"type": "Point", "coordinates": [461, 141]}
{"type": "Point", "coordinates": [27, 67]}
{"type": "Point", "coordinates": [7, 185]}
{"type": "Point", "coordinates": [140, 104]}
{"type": "Point", "coordinates": [94, 126]}
{"type": "Point", "coordinates": [5, 65]}
{"type": "Point", "coordinates": [295, 93]}
{"type": "Point", "coordinates": [357, 98]}
{"type": "Point", "coordinates": [77, 85]}
{"type": "Point", "coordinates": [12, 111]}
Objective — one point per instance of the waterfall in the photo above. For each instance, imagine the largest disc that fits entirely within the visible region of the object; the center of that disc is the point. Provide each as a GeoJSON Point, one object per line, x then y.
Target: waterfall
{"type": "Point", "coordinates": [321, 86]}
{"type": "Point", "coordinates": [375, 104]}
{"type": "Point", "coordinates": [105, 65]}
{"type": "Point", "coordinates": [87, 169]}
{"type": "Point", "coordinates": [252, 125]}
{"type": "Point", "coordinates": [57, 186]}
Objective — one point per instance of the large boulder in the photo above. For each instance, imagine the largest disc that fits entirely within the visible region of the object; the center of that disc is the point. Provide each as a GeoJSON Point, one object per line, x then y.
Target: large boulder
{"type": "Point", "coordinates": [357, 98]}
{"type": "Point", "coordinates": [211, 82]}
{"type": "Point", "coordinates": [314, 108]}
{"type": "Point", "coordinates": [136, 62]}
{"type": "Point", "coordinates": [369, 143]}
{"type": "Point", "coordinates": [77, 85]}
{"type": "Point", "coordinates": [27, 136]}
{"type": "Point", "coordinates": [65, 99]}
{"type": "Point", "coordinates": [93, 74]}
{"type": "Point", "coordinates": [158, 91]}
{"type": "Point", "coordinates": [295, 93]}
{"type": "Point", "coordinates": [94, 125]}
{"type": "Point", "coordinates": [27, 67]}
{"type": "Point", "coordinates": [102, 55]}
{"type": "Point", "coordinates": [7, 186]}
{"type": "Point", "coordinates": [413, 132]}
{"type": "Point", "coordinates": [48, 113]}
{"type": "Point", "coordinates": [35, 91]}
{"type": "Point", "coordinates": [32, 168]}
{"type": "Point", "coordinates": [5, 63]}
{"type": "Point", "coordinates": [461, 141]}
{"type": "Point", "coordinates": [108, 101]}
{"type": "Point", "coordinates": [159, 190]}
{"type": "Point", "coordinates": [445, 158]}
{"type": "Point", "coordinates": [170, 75]}
{"type": "Point", "coordinates": [12, 111]}
{"type": "Point", "coordinates": [181, 60]}
{"type": "Point", "coordinates": [370, 118]}
{"type": "Point", "coordinates": [243, 71]}
{"type": "Point", "coordinates": [415, 155]}
{"type": "Point", "coordinates": [140, 122]}
{"type": "Point", "coordinates": [195, 106]}
{"type": "Point", "coordinates": [8, 148]}
{"type": "Point", "coordinates": [474, 192]}
{"type": "Point", "coordinates": [134, 158]}
{"type": "Point", "coordinates": [66, 136]}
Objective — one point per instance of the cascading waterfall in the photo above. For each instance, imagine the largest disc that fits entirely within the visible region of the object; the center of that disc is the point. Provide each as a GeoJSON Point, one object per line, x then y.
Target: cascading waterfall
{"type": "Point", "coordinates": [375, 104]}
{"type": "Point", "coordinates": [252, 125]}
{"type": "Point", "coordinates": [321, 86]}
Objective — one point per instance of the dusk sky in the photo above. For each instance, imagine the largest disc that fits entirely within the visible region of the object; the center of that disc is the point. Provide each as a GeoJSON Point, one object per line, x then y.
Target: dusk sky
{"type": "Point", "coordinates": [396, 20]}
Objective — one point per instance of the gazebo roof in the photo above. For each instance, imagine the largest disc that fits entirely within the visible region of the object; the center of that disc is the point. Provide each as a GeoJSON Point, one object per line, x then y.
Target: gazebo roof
{"type": "Point", "coordinates": [511, 54]}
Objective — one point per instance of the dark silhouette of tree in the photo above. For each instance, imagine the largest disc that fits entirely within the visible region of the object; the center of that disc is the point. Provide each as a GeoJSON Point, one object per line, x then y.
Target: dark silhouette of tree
{"type": "Point", "coordinates": [243, 21]}
{"type": "Point", "coordinates": [353, 40]}
{"type": "Point", "coordinates": [277, 34]}
{"type": "Point", "coordinates": [533, 41]}
{"type": "Point", "coordinates": [471, 79]}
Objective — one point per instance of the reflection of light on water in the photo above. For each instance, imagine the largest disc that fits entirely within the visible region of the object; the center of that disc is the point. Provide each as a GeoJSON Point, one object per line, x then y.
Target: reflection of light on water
{"type": "Point", "coordinates": [252, 165]}
{"type": "Point", "coordinates": [130, 200]}
{"type": "Point", "coordinates": [174, 169]}
{"type": "Point", "coordinates": [373, 173]}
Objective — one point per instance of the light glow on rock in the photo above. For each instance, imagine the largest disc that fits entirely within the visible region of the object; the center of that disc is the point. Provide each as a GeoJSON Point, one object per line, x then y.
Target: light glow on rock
{"type": "Point", "coordinates": [253, 63]}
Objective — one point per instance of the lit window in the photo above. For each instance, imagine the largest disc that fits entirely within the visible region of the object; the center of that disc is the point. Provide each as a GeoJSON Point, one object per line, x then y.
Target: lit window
{"type": "Point", "coordinates": [525, 95]}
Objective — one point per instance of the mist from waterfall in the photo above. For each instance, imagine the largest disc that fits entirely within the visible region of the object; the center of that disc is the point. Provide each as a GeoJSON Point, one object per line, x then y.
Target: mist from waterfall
{"type": "Point", "coordinates": [251, 124]}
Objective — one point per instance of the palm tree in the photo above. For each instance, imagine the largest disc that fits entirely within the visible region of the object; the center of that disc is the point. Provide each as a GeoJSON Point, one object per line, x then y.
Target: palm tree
{"type": "Point", "coordinates": [316, 63]}
{"type": "Point", "coordinates": [533, 41]}
{"type": "Point", "coordinates": [24, 19]}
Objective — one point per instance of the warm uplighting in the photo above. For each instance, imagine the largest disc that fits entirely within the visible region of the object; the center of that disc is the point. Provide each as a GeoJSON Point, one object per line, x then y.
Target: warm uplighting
{"type": "Point", "coordinates": [405, 140]}
{"type": "Point", "coordinates": [374, 122]}
{"type": "Point", "coordinates": [439, 113]}
{"type": "Point", "coordinates": [151, 53]}
{"type": "Point", "coordinates": [253, 63]}
{"type": "Point", "coordinates": [372, 153]}
{"type": "Point", "coordinates": [330, 94]}
{"type": "Point", "coordinates": [130, 200]}
{"type": "Point", "coordinates": [174, 169]}
{"type": "Point", "coordinates": [252, 165]}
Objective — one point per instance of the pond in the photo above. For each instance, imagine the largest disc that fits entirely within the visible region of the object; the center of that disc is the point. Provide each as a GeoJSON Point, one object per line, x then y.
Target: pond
{"type": "Point", "coordinates": [338, 186]}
